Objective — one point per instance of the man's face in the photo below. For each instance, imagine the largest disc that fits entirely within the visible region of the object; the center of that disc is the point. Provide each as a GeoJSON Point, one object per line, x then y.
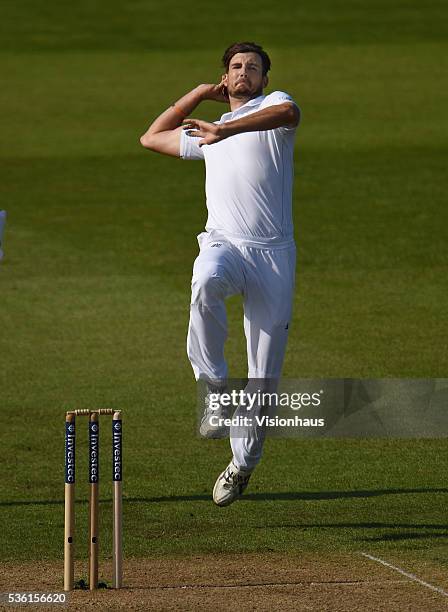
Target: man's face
{"type": "Point", "coordinates": [244, 78]}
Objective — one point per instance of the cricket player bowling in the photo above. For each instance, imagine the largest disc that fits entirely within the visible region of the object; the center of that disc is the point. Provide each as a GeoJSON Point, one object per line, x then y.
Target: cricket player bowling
{"type": "Point", "coordinates": [248, 246]}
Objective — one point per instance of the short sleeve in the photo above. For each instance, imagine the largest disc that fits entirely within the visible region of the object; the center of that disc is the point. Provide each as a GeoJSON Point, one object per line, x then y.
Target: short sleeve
{"type": "Point", "coordinates": [278, 97]}
{"type": "Point", "coordinates": [189, 147]}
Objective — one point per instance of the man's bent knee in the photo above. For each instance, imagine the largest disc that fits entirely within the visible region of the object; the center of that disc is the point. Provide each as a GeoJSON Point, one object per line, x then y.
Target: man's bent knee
{"type": "Point", "coordinates": [208, 286]}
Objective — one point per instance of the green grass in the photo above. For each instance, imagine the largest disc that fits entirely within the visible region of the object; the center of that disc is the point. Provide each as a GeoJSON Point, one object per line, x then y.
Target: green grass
{"type": "Point", "coordinates": [94, 289]}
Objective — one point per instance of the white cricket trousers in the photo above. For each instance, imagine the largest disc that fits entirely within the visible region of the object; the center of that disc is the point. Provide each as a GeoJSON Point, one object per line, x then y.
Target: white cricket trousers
{"type": "Point", "coordinates": [265, 277]}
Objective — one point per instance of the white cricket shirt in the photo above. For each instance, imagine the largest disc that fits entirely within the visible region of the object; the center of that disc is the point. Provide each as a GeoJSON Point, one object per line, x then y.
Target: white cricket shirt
{"type": "Point", "coordinates": [249, 178]}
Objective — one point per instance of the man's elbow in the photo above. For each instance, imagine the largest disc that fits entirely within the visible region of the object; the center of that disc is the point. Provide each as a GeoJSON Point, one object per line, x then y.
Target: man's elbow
{"type": "Point", "coordinates": [145, 141]}
{"type": "Point", "coordinates": [292, 114]}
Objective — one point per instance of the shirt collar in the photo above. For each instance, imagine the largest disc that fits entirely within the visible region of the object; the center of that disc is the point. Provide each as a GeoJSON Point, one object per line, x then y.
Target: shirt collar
{"type": "Point", "coordinates": [252, 102]}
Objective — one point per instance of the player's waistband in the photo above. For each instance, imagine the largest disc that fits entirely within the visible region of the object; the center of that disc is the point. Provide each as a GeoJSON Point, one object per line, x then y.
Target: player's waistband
{"type": "Point", "coordinates": [276, 242]}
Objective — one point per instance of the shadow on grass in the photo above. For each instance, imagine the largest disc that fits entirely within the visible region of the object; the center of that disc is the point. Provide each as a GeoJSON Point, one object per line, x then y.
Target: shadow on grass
{"type": "Point", "coordinates": [397, 536]}
{"type": "Point", "coordinates": [370, 525]}
{"type": "Point", "coordinates": [284, 496]}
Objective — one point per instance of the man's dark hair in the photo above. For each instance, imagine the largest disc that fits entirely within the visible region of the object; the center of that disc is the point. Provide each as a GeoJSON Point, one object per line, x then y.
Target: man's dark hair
{"type": "Point", "coordinates": [246, 47]}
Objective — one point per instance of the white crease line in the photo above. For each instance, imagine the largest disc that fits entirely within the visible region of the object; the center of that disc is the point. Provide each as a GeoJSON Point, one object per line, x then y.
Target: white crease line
{"type": "Point", "coordinates": [407, 574]}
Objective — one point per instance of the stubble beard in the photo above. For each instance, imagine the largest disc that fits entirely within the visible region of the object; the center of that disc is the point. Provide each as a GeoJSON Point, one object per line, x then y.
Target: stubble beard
{"type": "Point", "coordinates": [245, 93]}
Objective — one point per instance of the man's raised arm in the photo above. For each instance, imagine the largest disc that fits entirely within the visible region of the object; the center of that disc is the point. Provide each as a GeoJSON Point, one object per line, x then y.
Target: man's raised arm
{"type": "Point", "coordinates": [278, 115]}
{"type": "Point", "coordinates": [163, 135]}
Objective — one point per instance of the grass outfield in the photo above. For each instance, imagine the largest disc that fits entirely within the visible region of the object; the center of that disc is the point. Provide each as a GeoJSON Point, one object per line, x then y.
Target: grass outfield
{"type": "Point", "coordinates": [100, 240]}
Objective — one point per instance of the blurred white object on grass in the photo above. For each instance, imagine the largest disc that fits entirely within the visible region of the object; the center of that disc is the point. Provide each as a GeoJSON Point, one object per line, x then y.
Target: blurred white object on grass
{"type": "Point", "coordinates": [2, 227]}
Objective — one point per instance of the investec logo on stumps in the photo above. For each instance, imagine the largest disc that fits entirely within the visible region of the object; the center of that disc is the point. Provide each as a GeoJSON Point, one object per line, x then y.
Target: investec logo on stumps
{"type": "Point", "coordinates": [69, 453]}
{"type": "Point", "coordinates": [116, 450]}
{"type": "Point", "coordinates": [93, 452]}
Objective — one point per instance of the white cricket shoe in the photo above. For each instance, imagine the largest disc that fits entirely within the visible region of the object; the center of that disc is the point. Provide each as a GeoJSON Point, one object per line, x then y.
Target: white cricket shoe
{"type": "Point", "coordinates": [230, 485]}
{"type": "Point", "coordinates": [212, 425]}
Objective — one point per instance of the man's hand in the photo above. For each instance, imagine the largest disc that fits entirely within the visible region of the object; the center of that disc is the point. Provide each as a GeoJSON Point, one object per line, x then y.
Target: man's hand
{"type": "Point", "coordinates": [209, 132]}
{"type": "Point", "coordinates": [211, 91]}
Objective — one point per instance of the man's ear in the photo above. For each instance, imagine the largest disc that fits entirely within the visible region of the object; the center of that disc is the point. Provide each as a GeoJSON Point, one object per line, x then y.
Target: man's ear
{"type": "Point", "coordinates": [225, 77]}
{"type": "Point", "coordinates": [265, 81]}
